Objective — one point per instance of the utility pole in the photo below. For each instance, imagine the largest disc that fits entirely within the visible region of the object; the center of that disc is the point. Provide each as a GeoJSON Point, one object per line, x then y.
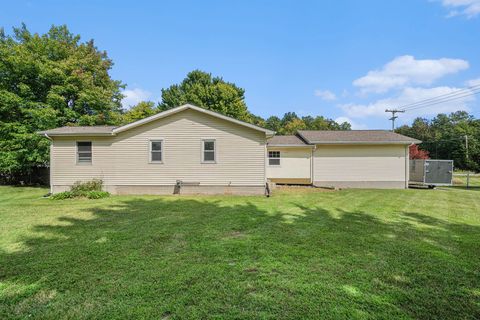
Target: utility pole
{"type": "Point", "coordinates": [466, 157]}
{"type": "Point", "coordinates": [466, 147]}
{"type": "Point", "coordinates": [394, 112]}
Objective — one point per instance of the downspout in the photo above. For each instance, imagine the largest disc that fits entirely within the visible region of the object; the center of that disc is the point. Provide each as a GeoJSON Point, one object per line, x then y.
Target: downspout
{"type": "Point", "coordinates": [407, 165]}
{"type": "Point", "coordinates": [50, 158]}
{"type": "Point", "coordinates": [312, 164]}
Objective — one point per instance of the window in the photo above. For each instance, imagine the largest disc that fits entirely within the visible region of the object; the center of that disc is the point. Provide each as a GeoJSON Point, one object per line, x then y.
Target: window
{"type": "Point", "coordinates": [274, 158]}
{"type": "Point", "coordinates": [208, 150]}
{"type": "Point", "coordinates": [84, 152]}
{"type": "Point", "coordinates": [156, 151]}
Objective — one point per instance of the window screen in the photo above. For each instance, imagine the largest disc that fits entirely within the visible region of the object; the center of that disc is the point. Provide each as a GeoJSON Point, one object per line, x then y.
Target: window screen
{"type": "Point", "coordinates": [274, 158]}
{"type": "Point", "coordinates": [156, 150]}
{"type": "Point", "coordinates": [209, 150]}
{"type": "Point", "coordinates": [84, 152]}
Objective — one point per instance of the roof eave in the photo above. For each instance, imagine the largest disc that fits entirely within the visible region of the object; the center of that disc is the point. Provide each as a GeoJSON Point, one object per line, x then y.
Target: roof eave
{"type": "Point", "coordinates": [364, 142]}
{"type": "Point", "coordinates": [88, 134]}
{"type": "Point", "coordinates": [291, 145]}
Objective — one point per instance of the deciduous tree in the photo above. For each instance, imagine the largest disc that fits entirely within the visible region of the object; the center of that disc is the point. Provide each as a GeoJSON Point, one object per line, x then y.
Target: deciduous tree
{"type": "Point", "coordinates": [213, 93]}
{"type": "Point", "coordinates": [47, 81]}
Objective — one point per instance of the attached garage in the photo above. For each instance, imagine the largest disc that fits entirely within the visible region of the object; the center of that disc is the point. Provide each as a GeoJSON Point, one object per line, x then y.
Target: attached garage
{"type": "Point", "coordinates": [289, 160]}
{"type": "Point", "coordinates": [343, 159]}
{"type": "Point", "coordinates": [361, 166]}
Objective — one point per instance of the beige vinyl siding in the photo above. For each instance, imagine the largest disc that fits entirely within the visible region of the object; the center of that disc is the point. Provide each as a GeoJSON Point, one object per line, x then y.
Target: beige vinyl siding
{"type": "Point", "coordinates": [124, 159]}
{"type": "Point", "coordinates": [295, 163]}
{"type": "Point", "coordinates": [360, 163]}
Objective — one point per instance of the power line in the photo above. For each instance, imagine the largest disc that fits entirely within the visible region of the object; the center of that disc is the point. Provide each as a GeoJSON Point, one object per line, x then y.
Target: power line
{"type": "Point", "coordinates": [447, 99]}
{"type": "Point", "coordinates": [441, 140]}
{"type": "Point", "coordinates": [455, 95]}
{"type": "Point", "coordinates": [461, 93]}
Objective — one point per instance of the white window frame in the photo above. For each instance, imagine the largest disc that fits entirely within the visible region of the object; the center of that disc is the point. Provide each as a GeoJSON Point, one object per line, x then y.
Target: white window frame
{"type": "Point", "coordinates": [150, 151]}
{"type": "Point", "coordinates": [279, 158]}
{"type": "Point", "coordinates": [77, 154]}
{"type": "Point", "coordinates": [202, 155]}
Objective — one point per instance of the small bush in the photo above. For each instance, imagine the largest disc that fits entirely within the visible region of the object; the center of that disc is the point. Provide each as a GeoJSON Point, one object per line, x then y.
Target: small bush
{"type": "Point", "coordinates": [92, 185]}
{"type": "Point", "coordinates": [97, 194]}
{"type": "Point", "coordinates": [90, 189]}
{"type": "Point", "coordinates": [62, 195]}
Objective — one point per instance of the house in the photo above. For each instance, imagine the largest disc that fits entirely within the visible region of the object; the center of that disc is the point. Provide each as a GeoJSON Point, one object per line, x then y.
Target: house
{"type": "Point", "coordinates": [343, 159]}
{"type": "Point", "coordinates": [200, 151]}
{"type": "Point", "coordinates": [207, 151]}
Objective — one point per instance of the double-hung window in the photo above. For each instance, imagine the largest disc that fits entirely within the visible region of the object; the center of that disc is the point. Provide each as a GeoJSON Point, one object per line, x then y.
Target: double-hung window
{"type": "Point", "coordinates": [274, 158]}
{"type": "Point", "coordinates": [84, 152]}
{"type": "Point", "coordinates": [208, 151]}
{"type": "Point", "coordinates": [156, 151]}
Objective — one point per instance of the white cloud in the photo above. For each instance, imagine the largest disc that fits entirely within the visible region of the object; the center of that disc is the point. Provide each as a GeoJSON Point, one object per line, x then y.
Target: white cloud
{"type": "Point", "coordinates": [407, 96]}
{"type": "Point", "coordinates": [134, 96]}
{"type": "Point", "coordinates": [468, 8]}
{"type": "Point", "coordinates": [473, 82]}
{"type": "Point", "coordinates": [326, 95]}
{"type": "Point", "coordinates": [406, 70]}
{"type": "Point", "coordinates": [355, 125]}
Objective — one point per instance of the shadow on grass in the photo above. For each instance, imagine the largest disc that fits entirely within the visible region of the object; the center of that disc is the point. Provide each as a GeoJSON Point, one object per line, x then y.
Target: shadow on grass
{"type": "Point", "coordinates": [189, 258]}
{"type": "Point", "coordinates": [471, 188]}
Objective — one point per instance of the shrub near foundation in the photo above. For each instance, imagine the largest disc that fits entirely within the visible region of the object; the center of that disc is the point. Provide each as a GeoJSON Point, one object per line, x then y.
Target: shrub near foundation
{"type": "Point", "coordinates": [90, 189]}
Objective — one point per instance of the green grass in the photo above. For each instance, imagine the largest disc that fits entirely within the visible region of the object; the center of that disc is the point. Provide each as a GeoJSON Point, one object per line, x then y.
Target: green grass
{"type": "Point", "coordinates": [352, 254]}
{"type": "Point", "coordinates": [461, 181]}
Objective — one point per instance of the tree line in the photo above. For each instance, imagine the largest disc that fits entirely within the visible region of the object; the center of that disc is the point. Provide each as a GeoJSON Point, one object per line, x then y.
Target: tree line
{"type": "Point", "coordinates": [445, 137]}
{"type": "Point", "coordinates": [54, 79]}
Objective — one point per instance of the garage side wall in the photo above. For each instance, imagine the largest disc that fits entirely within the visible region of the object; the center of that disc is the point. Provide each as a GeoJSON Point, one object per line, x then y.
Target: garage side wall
{"type": "Point", "coordinates": [295, 166]}
{"type": "Point", "coordinates": [361, 166]}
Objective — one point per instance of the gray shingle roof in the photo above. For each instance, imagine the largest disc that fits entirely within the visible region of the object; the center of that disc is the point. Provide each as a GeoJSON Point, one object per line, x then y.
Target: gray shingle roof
{"type": "Point", "coordinates": [286, 141]}
{"type": "Point", "coordinates": [86, 130]}
{"type": "Point", "coordinates": [355, 136]}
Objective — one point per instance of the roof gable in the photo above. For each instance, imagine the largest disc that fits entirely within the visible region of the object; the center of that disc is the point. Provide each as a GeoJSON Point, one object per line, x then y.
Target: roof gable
{"type": "Point", "coordinates": [187, 107]}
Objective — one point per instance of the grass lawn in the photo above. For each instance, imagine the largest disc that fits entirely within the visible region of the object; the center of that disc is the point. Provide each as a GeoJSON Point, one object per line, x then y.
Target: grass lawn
{"type": "Point", "coordinates": [461, 181]}
{"type": "Point", "coordinates": [300, 254]}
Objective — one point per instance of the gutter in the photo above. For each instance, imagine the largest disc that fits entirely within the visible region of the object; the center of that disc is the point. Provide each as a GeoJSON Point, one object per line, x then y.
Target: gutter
{"type": "Point", "coordinates": [291, 146]}
{"type": "Point", "coordinates": [79, 134]}
{"type": "Point", "coordinates": [364, 142]}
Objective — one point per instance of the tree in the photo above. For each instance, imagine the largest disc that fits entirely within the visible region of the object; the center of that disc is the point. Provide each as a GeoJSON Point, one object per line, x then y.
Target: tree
{"type": "Point", "coordinates": [141, 110]}
{"type": "Point", "coordinates": [417, 153]}
{"type": "Point", "coordinates": [288, 117]}
{"type": "Point", "coordinates": [213, 93]}
{"type": "Point", "coordinates": [48, 81]}
{"type": "Point", "coordinates": [293, 126]}
{"type": "Point", "coordinates": [444, 138]}
{"type": "Point", "coordinates": [291, 123]}
{"type": "Point", "coordinates": [273, 123]}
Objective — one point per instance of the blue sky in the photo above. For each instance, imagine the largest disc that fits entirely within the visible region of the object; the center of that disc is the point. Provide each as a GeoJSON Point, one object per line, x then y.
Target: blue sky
{"type": "Point", "coordinates": [346, 60]}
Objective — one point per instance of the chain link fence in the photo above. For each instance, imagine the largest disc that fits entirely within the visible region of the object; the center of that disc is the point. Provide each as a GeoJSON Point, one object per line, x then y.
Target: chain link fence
{"type": "Point", "coordinates": [466, 180]}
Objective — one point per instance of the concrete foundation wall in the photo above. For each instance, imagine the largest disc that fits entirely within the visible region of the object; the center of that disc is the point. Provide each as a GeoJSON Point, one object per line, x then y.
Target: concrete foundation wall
{"type": "Point", "coordinates": [170, 189]}
{"type": "Point", "coordinates": [361, 184]}
{"type": "Point", "coordinates": [290, 180]}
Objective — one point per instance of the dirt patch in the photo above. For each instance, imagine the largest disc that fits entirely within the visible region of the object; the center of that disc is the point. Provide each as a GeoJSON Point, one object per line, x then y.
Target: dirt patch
{"type": "Point", "coordinates": [234, 235]}
{"type": "Point", "coordinates": [302, 189]}
{"type": "Point", "coordinates": [251, 270]}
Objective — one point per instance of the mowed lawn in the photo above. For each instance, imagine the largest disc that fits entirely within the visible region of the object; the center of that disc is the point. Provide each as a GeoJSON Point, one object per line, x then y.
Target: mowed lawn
{"type": "Point", "coordinates": [351, 254]}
